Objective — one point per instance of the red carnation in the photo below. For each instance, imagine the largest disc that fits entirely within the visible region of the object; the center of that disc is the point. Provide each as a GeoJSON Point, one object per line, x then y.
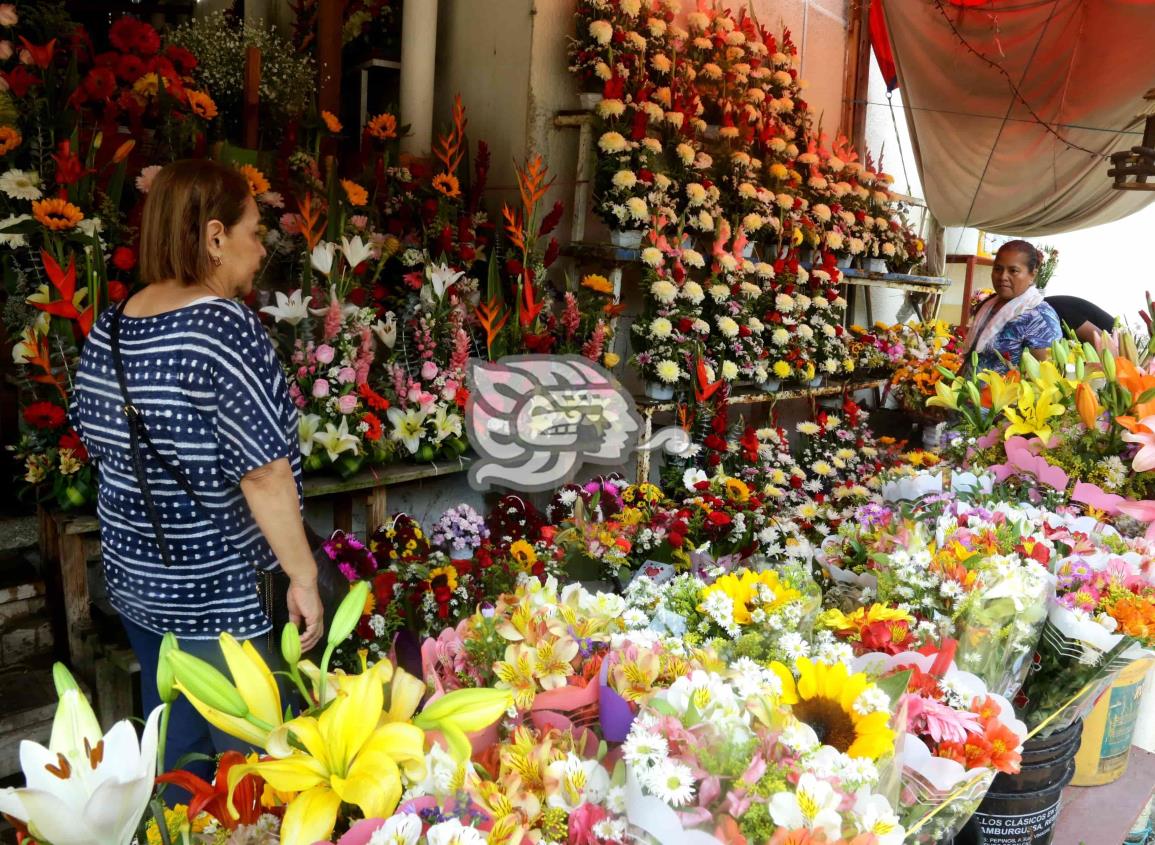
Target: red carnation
{"type": "Point", "coordinates": [123, 258]}
{"type": "Point", "coordinates": [44, 415]}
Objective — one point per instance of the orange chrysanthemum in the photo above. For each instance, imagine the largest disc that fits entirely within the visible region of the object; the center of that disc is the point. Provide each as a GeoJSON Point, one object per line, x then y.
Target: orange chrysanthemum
{"type": "Point", "coordinates": [447, 184]}
{"type": "Point", "coordinates": [598, 284]}
{"type": "Point", "coordinates": [56, 214]}
{"type": "Point", "coordinates": [355, 193]}
{"type": "Point", "coordinates": [258, 184]}
{"type": "Point", "coordinates": [383, 127]}
{"type": "Point", "coordinates": [202, 105]}
{"type": "Point", "coordinates": [331, 122]}
{"type": "Point", "coordinates": [10, 139]}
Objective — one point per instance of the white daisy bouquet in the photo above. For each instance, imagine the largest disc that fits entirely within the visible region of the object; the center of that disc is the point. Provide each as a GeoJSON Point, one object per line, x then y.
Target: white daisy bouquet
{"type": "Point", "coordinates": [630, 186]}
{"type": "Point", "coordinates": [666, 338]}
{"type": "Point", "coordinates": [739, 755]}
{"type": "Point", "coordinates": [789, 341]}
{"type": "Point", "coordinates": [608, 41]}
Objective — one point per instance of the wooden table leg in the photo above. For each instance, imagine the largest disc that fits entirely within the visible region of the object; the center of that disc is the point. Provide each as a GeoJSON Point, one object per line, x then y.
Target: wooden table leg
{"type": "Point", "coordinates": [77, 607]}
{"type": "Point", "coordinates": [376, 510]}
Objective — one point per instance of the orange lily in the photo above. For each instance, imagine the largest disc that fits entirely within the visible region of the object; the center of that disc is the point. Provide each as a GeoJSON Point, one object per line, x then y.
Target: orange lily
{"type": "Point", "coordinates": [213, 798]}
{"type": "Point", "coordinates": [1137, 383]}
{"type": "Point", "coordinates": [1087, 404]}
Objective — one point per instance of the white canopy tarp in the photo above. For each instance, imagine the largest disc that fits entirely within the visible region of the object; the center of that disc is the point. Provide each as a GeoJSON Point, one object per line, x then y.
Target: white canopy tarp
{"type": "Point", "coordinates": [1083, 66]}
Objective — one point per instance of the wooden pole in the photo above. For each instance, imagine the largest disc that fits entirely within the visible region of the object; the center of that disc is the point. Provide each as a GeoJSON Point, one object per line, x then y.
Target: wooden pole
{"type": "Point", "coordinates": [329, 55]}
{"type": "Point", "coordinates": [856, 83]}
{"type": "Point", "coordinates": [251, 114]}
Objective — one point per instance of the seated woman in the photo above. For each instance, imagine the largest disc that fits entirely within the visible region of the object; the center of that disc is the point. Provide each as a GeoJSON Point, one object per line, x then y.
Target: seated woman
{"type": "Point", "coordinates": [1016, 318]}
{"type": "Point", "coordinates": [1086, 319]}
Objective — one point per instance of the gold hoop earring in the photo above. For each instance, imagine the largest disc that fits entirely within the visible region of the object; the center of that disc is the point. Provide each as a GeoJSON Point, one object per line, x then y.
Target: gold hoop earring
{"type": "Point", "coordinates": [216, 260]}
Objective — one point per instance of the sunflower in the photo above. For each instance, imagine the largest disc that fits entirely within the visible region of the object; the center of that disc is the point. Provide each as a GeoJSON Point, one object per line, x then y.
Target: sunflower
{"type": "Point", "coordinates": [258, 184]}
{"type": "Point", "coordinates": [450, 576]}
{"type": "Point", "coordinates": [825, 698]}
{"type": "Point", "coordinates": [598, 284]}
{"type": "Point", "coordinates": [56, 214]}
{"type": "Point", "coordinates": [356, 195]}
{"type": "Point", "coordinates": [736, 490]}
{"type": "Point", "coordinates": [147, 86]}
{"type": "Point", "coordinates": [331, 122]}
{"type": "Point", "coordinates": [370, 604]}
{"type": "Point", "coordinates": [447, 184]}
{"type": "Point", "coordinates": [383, 127]}
{"type": "Point", "coordinates": [202, 105]}
{"type": "Point", "coordinates": [523, 553]}
{"type": "Point", "coordinates": [10, 139]}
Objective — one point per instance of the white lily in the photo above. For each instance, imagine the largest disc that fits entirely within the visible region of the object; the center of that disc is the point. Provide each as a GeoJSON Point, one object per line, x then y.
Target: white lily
{"type": "Point", "coordinates": [445, 423]}
{"type": "Point", "coordinates": [813, 805]}
{"type": "Point", "coordinates": [386, 330]}
{"type": "Point", "coordinates": [441, 277]}
{"type": "Point", "coordinates": [306, 430]}
{"type": "Point", "coordinates": [291, 309]}
{"type": "Point", "coordinates": [96, 797]}
{"type": "Point", "coordinates": [408, 427]}
{"type": "Point", "coordinates": [336, 439]}
{"type": "Point", "coordinates": [322, 257]}
{"type": "Point", "coordinates": [355, 250]}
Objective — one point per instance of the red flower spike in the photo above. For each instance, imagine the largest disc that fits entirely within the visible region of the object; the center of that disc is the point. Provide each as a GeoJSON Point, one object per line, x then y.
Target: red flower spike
{"type": "Point", "coordinates": [41, 53]}
{"type": "Point", "coordinates": [65, 283]}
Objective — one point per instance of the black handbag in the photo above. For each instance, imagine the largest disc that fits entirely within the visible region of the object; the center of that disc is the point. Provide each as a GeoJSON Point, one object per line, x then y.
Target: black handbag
{"type": "Point", "coordinates": [272, 586]}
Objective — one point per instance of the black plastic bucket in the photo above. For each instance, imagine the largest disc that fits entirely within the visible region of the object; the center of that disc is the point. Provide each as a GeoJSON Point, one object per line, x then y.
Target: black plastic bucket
{"type": "Point", "coordinates": [1022, 809]}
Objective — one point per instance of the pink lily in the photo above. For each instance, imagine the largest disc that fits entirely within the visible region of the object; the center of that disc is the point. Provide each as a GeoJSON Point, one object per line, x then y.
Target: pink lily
{"type": "Point", "coordinates": [1144, 435]}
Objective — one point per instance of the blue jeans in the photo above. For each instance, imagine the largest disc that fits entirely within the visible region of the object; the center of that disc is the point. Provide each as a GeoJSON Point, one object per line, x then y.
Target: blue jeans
{"type": "Point", "coordinates": [188, 732]}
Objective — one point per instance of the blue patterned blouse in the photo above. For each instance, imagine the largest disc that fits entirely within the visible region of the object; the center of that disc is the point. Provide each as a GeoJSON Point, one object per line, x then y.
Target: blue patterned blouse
{"type": "Point", "coordinates": [214, 400]}
{"type": "Point", "coordinates": [1035, 329]}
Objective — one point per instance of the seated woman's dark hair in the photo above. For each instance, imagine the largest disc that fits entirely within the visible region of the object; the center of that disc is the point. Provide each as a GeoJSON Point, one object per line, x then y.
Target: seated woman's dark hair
{"type": "Point", "coordinates": [184, 197]}
{"type": "Point", "coordinates": [1033, 256]}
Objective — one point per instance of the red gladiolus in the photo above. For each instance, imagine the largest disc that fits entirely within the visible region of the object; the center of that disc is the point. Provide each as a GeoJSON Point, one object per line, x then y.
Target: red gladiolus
{"type": "Point", "coordinates": [69, 168]}
{"type": "Point", "coordinates": [44, 415]}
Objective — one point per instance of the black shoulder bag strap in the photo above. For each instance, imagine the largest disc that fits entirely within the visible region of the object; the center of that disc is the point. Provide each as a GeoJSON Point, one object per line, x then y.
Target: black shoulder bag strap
{"type": "Point", "coordinates": [138, 437]}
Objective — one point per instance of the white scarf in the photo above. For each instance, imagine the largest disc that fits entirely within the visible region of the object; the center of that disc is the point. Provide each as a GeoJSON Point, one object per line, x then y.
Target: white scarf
{"type": "Point", "coordinates": [987, 327]}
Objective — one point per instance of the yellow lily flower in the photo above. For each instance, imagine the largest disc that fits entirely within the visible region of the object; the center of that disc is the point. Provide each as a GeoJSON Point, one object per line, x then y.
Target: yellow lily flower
{"type": "Point", "coordinates": [1033, 414]}
{"type": "Point", "coordinates": [944, 397]}
{"type": "Point", "coordinates": [1050, 377]}
{"type": "Point", "coordinates": [255, 683]}
{"type": "Point", "coordinates": [345, 755]}
{"type": "Point", "coordinates": [1003, 391]}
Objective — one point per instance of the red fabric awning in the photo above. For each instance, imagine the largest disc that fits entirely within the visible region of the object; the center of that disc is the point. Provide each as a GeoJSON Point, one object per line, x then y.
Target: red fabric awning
{"type": "Point", "coordinates": [880, 42]}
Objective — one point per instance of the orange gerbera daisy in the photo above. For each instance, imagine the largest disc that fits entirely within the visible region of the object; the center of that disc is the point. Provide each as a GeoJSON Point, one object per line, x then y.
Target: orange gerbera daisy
{"type": "Point", "coordinates": [56, 214]}
{"type": "Point", "coordinates": [383, 127]}
{"type": "Point", "coordinates": [258, 184]}
{"type": "Point", "coordinates": [598, 284]}
{"type": "Point", "coordinates": [10, 139]}
{"type": "Point", "coordinates": [355, 193]}
{"type": "Point", "coordinates": [202, 105]}
{"type": "Point", "coordinates": [447, 184]}
{"type": "Point", "coordinates": [331, 122]}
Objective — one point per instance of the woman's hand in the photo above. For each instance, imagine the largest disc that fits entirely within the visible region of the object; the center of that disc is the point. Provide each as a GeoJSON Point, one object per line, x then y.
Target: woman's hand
{"type": "Point", "coordinates": [305, 607]}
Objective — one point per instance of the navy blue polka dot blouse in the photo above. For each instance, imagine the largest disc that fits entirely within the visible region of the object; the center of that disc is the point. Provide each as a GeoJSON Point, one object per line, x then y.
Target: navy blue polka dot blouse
{"type": "Point", "coordinates": [215, 402]}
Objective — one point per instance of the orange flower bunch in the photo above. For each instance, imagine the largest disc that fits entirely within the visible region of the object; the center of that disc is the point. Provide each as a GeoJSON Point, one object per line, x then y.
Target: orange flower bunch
{"type": "Point", "coordinates": [993, 748]}
{"type": "Point", "coordinates": [383, 127]}
{"type": "Point", "coordinates": [1135, 614]}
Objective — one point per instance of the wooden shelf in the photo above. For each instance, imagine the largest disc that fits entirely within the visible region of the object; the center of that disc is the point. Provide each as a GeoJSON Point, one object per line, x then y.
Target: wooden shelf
{"type": "Point", "coordinates": [648, 407]}
{"type": "Point", "coordinates": [381, 476]}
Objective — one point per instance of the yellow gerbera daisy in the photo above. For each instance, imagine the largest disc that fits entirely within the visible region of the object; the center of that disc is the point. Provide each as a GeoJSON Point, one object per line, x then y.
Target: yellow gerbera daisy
{"type": "Point", "coordinates": [824, 698]}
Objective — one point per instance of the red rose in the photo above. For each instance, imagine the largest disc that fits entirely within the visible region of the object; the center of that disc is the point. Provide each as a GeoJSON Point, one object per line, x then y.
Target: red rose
{"type": "Point", "coordinates": [44, 415]}
{"type": "Point", "coordinates": [117, 291]}
{"type": "Point", "coordinates": [719, 518]}
{"type": "Point", "coordinates": [123, 258]}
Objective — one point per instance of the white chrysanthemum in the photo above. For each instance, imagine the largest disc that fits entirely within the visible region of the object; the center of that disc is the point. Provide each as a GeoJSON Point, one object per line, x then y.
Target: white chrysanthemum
{"type": "Point", "coordinates": [784, 201]}
{"type": "Point", "coordinates": [700, 326]}
{"type": "Point", "coordinates": [625, 179]}
{"type": "Point", "coordinates": [805, 332]}
{"type": "Point", "coordinates": [695, 193]}
{"type": "Point", "coordinates": [652, 256]}
{"type": "Point", "coordinates": [664, 291]}
{"type": "Point", "coordinates": [660, 328]}
{"type": "Point", "coordinates": [652, 145]}
{"type": "Point", "coordinates": [611, 107]}
{"type": "Point", "coordinates": [612, 142]}
{"type": "Point", "coordinates": [719, 293]}
{"type": "Point", "coordinates": [780, 337]}
{"type": "Point", "coordinates": [756, 325]}
{"type": "Point", "coordinates": [727, 326]}
{"type": "Point", "coordinates": [752, 222]}
{"type": "Point", "coordinates": [668, 371]}
{"type": "Point", "coordinates": [808, 428]}
{"type": "Point", "coordinates": [686, 155]}
{"type": "Point", "coordinates": [822, 211]}
{"type": "Point", "coordinates": [729, 370]}
{"type": "Point", "coordinates": [834, 240]}
{"type": "Point", "coordinates": [784, 302]}
{"type": "Point", "coordinates": [693, 292]}
{"type": "Point", "coordinates": [638, 210]}
{"type": "Point", "coordinates": [601, 31]}
{"type": "Point", "coordinates": [693, 258]}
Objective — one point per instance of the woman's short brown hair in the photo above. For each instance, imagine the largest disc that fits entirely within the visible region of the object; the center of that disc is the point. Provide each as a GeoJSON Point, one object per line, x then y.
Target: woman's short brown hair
{"type": "Point", "coordinates": [183, 198]}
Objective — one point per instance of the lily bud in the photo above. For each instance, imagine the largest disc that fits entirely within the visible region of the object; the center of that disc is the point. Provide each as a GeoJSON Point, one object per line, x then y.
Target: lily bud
{"type": "Point", "coordinates": [291, 645]}
{"type": "Point", "coordinates": [974, 395]}
{"type": "Point", "coordinates": [1059, 353]}
{"type": "Point", "coordinates": [165, 679]}
{"type": "Point", "coordinates": [1087, 404]}
{"type": "Point", "coordinates": [207, 684]}
{"type": "Point", "coordinates": [97, 140]}
{"type": "Point", "coordinates": [63, 679]}
{"type": "Point", "coordinates": [348, 614]}
{"type": "Point", "coordinates": [122, 151]}
{"type": "Point", "coordinates": [1109, 364]}
{"type": "Point", "coordinates": [1029, 365]}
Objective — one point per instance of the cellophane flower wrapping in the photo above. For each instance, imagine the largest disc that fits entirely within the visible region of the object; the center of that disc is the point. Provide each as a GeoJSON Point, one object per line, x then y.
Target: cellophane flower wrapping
{"type": "Point", "coordinates": [938, 795]}
{"type": "Point", "coordinates": [1076, 661]}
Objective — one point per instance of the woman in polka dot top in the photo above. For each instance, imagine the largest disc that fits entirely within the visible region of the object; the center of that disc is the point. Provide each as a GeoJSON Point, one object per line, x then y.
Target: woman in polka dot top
{"type": "Point", "coordinates": [202, 375]}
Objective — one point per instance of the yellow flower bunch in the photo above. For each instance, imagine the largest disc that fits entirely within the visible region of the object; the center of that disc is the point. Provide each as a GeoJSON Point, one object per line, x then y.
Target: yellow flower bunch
{"type": "Point", "coordinates": [749, 591]}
